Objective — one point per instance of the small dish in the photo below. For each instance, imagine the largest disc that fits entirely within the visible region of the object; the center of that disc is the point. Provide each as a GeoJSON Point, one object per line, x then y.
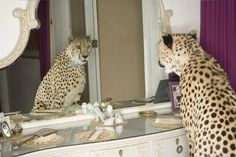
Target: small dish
{"type": "Point", "coordinates": [101, 124]}
{"type": "Point", "coordinates": [167, 122]}
{"type": "Point", "coordinates": [45, 140]}
{"type": "Point", "coordinates": [105, 135]}
{"type": "Point", "coordinates": [148, 113]}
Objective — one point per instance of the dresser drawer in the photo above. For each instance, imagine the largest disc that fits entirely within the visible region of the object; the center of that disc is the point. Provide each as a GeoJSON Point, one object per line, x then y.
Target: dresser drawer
{"type": "Point", "coordinates": [137, 150]}
{"type": "Point", "coordinates": [171, 147]}
{"type": "Point", "coordinates": [57, 152]}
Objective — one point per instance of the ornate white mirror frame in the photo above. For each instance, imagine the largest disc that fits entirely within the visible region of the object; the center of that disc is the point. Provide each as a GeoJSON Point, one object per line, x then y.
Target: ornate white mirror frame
{"type": "Point", "coordinates": [21, 18]}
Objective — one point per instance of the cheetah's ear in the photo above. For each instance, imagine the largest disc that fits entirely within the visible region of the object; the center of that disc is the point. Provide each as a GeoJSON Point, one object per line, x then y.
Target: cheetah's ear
{"type": "Point", "coordinates": [88, 37]}
{"type": "Point", "coordinates": [193, 33]}
{"type": "Point", "coordinates": [168, 40]}
{"type": "Point", "coordinates": [70, 39]}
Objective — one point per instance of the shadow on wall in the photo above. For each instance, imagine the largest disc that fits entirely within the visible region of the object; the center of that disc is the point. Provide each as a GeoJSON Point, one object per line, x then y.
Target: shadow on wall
{"type": "Point", "coordinates": [23, 79]}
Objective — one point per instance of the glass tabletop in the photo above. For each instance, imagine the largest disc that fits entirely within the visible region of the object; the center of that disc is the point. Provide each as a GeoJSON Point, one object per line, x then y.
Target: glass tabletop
{"type": "Point", "coordinates": [132, 127]}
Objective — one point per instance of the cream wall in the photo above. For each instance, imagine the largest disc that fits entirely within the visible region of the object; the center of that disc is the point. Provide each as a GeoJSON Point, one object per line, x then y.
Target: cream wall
{"type": "Point", "coordinates": [186, 15]}
{"type": "Point", "coordinates": [121, 48]}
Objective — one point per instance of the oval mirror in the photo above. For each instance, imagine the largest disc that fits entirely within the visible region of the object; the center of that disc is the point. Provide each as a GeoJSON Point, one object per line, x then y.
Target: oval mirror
{"type": "Point", "coordinates": [19, 19]}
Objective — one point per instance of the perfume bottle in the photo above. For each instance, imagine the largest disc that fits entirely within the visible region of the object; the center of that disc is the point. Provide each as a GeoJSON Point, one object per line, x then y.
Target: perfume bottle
{"type": "Point", "coordinates": [17, 130]}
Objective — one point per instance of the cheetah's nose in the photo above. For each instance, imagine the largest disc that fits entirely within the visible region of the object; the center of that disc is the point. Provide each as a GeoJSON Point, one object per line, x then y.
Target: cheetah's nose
{"type": "Point", "coordinates": [161, 65]}
{"type": "Point", "coordinates": [85, 56]}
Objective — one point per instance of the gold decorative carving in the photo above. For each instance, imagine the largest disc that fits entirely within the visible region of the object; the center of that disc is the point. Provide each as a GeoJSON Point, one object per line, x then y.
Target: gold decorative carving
{"type": "Point", "coordinates": [28, 21]}
{"type": "Point", "coordinates": [142, 149]}
{"type": "Point", "coordinates": [165, 16]}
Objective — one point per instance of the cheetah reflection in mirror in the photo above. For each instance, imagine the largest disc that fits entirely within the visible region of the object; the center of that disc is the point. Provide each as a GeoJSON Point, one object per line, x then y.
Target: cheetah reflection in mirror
{"type": "Point", "coordinates": [65, 81]}
{"type": "Point", "coordinates": [208, 103]}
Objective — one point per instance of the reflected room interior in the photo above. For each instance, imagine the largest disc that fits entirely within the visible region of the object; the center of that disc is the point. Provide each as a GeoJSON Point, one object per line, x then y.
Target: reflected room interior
{"type": "Point", "coordinates": [121, 58]}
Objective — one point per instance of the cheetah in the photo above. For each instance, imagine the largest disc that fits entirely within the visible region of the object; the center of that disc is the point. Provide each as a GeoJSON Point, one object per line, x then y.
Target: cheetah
{"type": "Point", "coordinates": [208, 102]}
{"type": "Point", "coordinates": [65, 81]}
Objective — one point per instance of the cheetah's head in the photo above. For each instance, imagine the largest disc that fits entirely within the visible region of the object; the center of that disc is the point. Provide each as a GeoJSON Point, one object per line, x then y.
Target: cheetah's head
{"type": "Point", "coordinates": [79, 50]}
{"type": "Point", "coordinates": [175, 50]}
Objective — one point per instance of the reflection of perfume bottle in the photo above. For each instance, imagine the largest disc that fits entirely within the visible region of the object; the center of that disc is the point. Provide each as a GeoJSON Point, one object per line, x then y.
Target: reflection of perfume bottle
{"type": "Point", "coordinates": [18, 128]}
{"type": "Point", "coordinates": [118, 119]}
{"type": "Point", "coordinates": [110, 112]}
{"type": "Point", "coordinates": [119, 129]}
{"type": "Point", "coordinates": [97, 111]}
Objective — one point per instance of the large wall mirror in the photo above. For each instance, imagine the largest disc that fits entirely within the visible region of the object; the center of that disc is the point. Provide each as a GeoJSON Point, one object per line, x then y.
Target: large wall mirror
{"type": "Point", "coordinates": [123, 66]}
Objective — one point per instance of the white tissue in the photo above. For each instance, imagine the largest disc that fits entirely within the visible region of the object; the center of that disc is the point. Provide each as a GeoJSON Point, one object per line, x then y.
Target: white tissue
{"type": "Point", "coordinates": [109, 121]}
{"type": "Point", "coordinates": [84, 107]}
{"type": "Point", "coordinates": [110, 112]}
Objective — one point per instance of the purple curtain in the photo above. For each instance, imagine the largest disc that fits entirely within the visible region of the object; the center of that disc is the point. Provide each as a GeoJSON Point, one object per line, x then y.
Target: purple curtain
{"type": "Point", "coordinates": [44, 37]}
{"type": "Point", "coordinates": [218, 33]}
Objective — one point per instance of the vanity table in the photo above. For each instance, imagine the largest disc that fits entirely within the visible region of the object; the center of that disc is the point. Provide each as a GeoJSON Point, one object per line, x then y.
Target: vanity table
{"type": "Point", "coordinates": [138, 137]}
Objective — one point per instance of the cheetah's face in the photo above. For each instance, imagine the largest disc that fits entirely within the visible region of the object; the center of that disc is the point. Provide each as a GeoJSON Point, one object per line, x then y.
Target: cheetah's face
{"type": "Point", "coordinates": [80, 50]}
{"type": "Point", "coordinates": [175, 50]}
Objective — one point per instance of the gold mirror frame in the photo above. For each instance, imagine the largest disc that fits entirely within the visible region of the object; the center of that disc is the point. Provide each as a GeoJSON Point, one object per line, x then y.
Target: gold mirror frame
{"type": "Point", "coordinates": [27, 21]}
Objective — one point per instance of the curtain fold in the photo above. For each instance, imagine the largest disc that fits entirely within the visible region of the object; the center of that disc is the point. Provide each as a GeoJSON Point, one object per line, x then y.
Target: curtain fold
{"type": "Point", "coordinates": [44, 37]}
{"type": "Point", "coordinates": [218, 33]}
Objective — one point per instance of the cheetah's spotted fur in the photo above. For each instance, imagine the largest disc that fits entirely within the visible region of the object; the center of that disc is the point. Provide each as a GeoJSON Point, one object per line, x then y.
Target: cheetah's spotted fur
{"type": "Point", "coordinates": [208, 103]}
{"type": "Point", "coordinates": [64, 83]}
